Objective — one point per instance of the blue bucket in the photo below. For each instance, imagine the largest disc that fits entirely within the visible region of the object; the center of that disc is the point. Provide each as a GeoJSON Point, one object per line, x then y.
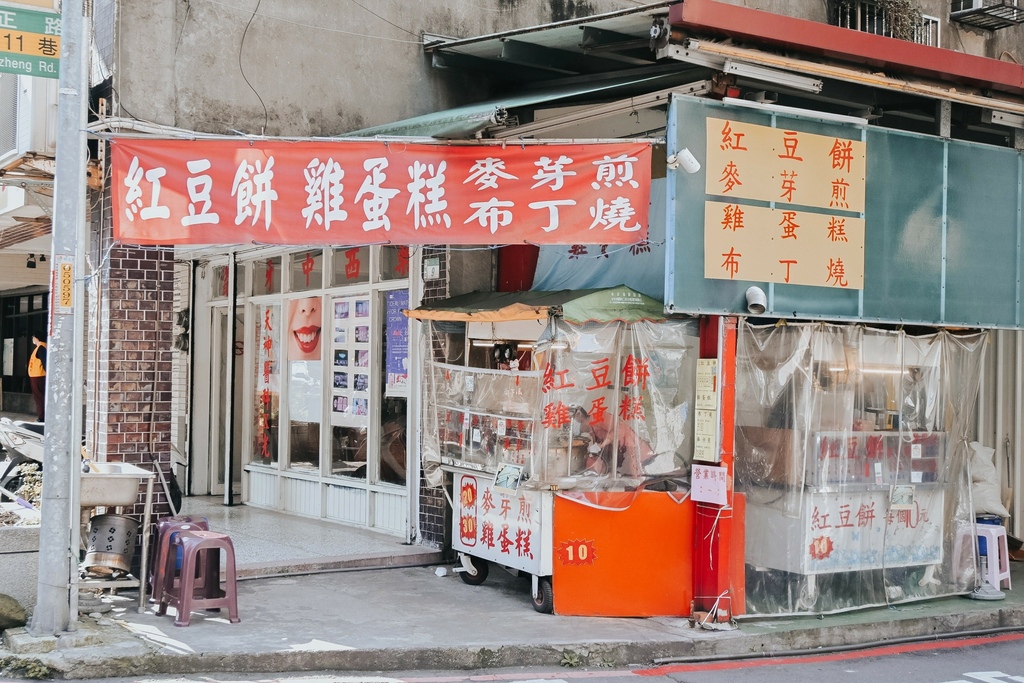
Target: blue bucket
{"type": "Point", "coordinates": [993, 520]}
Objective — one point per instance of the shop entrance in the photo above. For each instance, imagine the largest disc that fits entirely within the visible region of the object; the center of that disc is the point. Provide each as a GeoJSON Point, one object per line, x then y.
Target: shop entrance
{"type": "Point", "coordinates": [224, 393]}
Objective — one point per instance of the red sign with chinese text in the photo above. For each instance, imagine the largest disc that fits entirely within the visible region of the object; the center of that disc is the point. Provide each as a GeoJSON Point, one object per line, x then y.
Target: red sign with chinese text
{"type": "Point", "coordinates": [354, 192]}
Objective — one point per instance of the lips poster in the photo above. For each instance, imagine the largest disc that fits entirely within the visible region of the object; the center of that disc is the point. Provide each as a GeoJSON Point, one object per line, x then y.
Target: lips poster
{"type": "Point", "coordinates": [350, 360]}
{"type": "Point", "coordinates": [305, 320]}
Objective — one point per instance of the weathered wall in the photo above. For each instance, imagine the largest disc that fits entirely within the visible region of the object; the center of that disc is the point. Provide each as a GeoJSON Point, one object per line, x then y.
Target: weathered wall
{"type": "Point", "coordinates": [302, 69]}
{"type": "Point", "coordinates": [1005, 44]}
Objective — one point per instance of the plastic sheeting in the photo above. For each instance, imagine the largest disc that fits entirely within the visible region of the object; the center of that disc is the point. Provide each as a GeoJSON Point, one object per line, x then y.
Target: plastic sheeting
{"type": "Point", "coordinates": [607, 406]}
{"type": "Point", "coordinates": [852, 449]}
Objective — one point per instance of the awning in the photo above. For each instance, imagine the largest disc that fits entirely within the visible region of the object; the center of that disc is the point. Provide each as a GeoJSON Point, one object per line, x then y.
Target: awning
{"type": "Point", "coordinates": [620, 304]}
{"type": "Point", "coordinates": [466, 121]}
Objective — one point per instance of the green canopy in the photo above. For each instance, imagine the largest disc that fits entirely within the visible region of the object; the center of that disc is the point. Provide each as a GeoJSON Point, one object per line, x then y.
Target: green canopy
{"type": "Point", "coordinates": [576, 306]}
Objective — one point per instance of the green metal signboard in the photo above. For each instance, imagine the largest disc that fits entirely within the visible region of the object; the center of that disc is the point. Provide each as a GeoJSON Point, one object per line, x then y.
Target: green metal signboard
{"type": "Point", "coordinates": [29, 42]}
{"type": "Point", "coordinates": [942, 226]}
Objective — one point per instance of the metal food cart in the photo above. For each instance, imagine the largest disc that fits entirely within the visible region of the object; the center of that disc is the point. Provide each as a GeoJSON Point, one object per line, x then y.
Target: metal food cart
{"type": "Point", "coordinates": [550, 413]}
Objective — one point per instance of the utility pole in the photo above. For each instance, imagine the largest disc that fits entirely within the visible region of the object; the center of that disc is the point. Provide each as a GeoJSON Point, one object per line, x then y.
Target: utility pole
{"type": "Point", "coordinates": [57, 594]}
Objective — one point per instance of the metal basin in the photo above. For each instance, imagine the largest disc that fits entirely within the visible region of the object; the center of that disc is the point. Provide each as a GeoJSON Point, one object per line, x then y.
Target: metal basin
{"type": "Point", "coordinates": [111, 484]}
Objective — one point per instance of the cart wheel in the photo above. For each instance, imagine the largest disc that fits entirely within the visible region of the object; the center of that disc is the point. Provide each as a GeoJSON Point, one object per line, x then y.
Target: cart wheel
{"type": "Point", "coordinates": [479, 574]}
{"type": "Point", "coordinates": [545, 602]}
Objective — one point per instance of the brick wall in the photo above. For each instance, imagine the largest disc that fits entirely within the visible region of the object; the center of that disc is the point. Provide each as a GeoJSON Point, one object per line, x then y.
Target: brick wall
{"type": "Point", "coordinates": [434, 512]}
{"type": "Point", "coordinates": [130, 367]}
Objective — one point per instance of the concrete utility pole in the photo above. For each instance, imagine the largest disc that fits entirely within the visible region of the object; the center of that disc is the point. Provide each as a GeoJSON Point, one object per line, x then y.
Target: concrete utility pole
{"type": "Point", "coordinates": [56, 596]}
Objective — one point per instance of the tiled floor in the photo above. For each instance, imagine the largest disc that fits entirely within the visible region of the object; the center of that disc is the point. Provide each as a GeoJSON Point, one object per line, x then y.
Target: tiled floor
{"type": "Point", "coordinates": [274, 542]}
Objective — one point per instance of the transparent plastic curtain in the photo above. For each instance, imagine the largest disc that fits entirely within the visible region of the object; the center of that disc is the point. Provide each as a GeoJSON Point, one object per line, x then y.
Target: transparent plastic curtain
{"type": "Point", "coordinates": [851, 447]}
{"type": "Point", "coordinates": [477, 417]}
{"type": "Point", "coordinates": [617, 403]}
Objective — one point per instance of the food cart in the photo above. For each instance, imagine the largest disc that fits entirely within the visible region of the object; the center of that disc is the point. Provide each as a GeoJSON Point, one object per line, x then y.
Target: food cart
{"type": "Point", "coordinates": [851, 449]}
{"type": "Point", "coordinates": [564, 423]}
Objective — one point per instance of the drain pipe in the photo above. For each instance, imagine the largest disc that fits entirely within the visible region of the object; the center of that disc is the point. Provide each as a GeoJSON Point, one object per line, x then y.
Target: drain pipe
{"type": "Point", "coordinates": [803, 652]}
{"type": "Point", "coordinates": [229, 427]}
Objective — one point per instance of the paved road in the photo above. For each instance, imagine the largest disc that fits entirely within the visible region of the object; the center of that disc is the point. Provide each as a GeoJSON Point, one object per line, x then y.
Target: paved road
{"type": "Point", "coordinates": [990, 659]}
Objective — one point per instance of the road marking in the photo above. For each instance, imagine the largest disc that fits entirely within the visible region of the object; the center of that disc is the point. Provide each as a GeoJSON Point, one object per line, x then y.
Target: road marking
{"type": "Point", "coordinates": [884, 650]}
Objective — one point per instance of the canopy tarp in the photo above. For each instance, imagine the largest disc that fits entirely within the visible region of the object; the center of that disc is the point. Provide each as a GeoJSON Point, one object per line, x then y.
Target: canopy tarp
{"type": "Point", "coordinates": [575, 306]}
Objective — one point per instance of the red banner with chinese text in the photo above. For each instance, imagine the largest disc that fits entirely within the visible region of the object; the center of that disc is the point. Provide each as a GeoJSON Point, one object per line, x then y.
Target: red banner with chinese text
{"type": "Point", "coordinates": [354, 192]}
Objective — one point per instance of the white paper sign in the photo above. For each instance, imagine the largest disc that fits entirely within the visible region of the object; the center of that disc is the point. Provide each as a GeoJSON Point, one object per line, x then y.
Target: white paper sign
{"type": "Point", "coordinates": [709, 484]}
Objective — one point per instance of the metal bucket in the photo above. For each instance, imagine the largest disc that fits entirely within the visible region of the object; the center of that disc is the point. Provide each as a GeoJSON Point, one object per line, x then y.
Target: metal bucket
{"type": "Point", "coordinates": [111, 545]}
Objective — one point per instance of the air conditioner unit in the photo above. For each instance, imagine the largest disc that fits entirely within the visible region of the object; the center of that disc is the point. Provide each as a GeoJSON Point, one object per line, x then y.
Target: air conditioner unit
{"type": "Point", "coordinates": [28, 117]}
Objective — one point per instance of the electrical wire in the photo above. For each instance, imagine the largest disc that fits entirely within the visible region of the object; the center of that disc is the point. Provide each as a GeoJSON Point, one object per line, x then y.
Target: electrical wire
{"type": "Point", "coordinates": [241, 68]}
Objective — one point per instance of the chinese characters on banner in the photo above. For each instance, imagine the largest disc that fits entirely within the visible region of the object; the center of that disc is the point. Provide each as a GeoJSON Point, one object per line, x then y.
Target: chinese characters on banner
{"type": "Point", "coordinates": [499, 526]}
{"type": "Point", "coordinates": [268, 384]}
{"type": "Point", "coordinates": [819, 244]}
{"type": "Point", "coordinates": [850, 531]}
{"type": "Point", "coordinates": [237, 191]}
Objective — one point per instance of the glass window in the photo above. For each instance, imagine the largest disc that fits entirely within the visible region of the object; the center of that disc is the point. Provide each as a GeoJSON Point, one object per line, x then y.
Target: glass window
{"type": "Point", "coordinates": [348, 450]}
{"type": "Point", "coordinates": [267, 398]}
{"type": "Point", "coordinates": [222, 284]}
{"type": "Point", "coordinates": [307, 270]}
{"type": "Point", "coordinates": [266, 276]}
{"type": "Point", "coordinates": [350, 383]}
{"type": "Point", "coordinates": [394, 262]}
{"type": "Point", "coordinates": [351, 266]}
{"type": "Point", "coordinates": [305, 392]}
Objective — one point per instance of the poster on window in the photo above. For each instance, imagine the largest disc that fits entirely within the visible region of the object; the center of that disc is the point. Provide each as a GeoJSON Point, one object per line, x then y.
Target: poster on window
{"type": "Point", "coordinates": [305, 368]}
{"type": "Point", "coordinates": [268, 384]}
{"type": "Point", "coordinates": [396, 346]}
{"type": "Point", "coordinates": [350, 361]}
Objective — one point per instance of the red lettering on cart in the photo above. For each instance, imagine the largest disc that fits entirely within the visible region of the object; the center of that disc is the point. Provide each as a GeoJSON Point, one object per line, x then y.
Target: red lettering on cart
{"type": "Point", "coordinates": [487, 534]}
{"type": "Point", "coordinates": [504, 540]}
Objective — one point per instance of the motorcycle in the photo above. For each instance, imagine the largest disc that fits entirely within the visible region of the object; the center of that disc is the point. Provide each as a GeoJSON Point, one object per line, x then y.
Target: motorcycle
{"type": "Point", "coordinates": [23, 442]}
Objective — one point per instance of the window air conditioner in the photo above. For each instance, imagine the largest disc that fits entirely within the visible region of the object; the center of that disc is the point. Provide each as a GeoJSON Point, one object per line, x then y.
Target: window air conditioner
{"type": "Point", "coordinates": [28, 117]}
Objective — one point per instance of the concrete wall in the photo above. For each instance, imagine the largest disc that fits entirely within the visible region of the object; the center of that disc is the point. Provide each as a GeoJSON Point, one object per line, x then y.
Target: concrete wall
{"type": "Point", "coordinates": [19, 564]}
{"type": "Point", "coordinates": [314, 68]}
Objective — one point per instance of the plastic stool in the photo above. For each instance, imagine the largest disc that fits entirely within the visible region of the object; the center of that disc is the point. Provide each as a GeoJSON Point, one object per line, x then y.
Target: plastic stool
{"type": "Point", "coordinates": [998, 554]}
{"type": "Point", "coordinates": [995, 549]}
{"type": "Point", "coordinates": [167, 529]}
{"type": "Point", "coordinates": [199, 547]}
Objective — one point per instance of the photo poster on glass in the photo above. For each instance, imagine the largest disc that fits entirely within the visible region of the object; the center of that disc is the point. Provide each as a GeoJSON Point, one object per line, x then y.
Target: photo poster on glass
{"type": "Point", "coordinates": [350, 361]}
{"type": "Point", "coordinates": [304, 352]}
{"type": "Point", "coordinates": [396, 346]}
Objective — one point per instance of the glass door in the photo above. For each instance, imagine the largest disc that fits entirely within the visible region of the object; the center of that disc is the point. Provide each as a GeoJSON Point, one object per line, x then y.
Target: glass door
{"type": "Point", "coordinates": [224, 394]}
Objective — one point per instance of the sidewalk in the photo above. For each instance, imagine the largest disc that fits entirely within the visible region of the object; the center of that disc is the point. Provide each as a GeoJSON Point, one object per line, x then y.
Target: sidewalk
{"type": "Point", "coordinates": [411, 618]}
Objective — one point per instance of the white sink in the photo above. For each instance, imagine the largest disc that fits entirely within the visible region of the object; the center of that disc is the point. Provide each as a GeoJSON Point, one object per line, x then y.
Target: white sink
{"type": "Point", "coordinates": [111, 484]}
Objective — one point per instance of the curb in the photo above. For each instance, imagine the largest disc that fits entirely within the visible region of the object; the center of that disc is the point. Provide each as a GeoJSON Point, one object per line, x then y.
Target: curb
{"type": "Point", "coordinates": [129, 656]}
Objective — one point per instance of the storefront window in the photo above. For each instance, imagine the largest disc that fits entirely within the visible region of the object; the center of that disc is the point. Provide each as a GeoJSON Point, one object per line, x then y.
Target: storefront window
{"type": "Point", "coordinates": [394, 349]}
{"type": "Point", "coordinates": [394, 262]}
{"type": "Point", "coordinates": [305, 369]}
{"type": "Point", "coordinates": [266, 276]}
{"type": "Point", "coordinates": [222, 283]}
{"type": "Point", "coordinates": [267, 398]}
{"type": "Point", "coordinates": [307, 270]}
{"type": "Point", "coordinates": [350, 392]}
{"type": "Point", "coordinates": [351, 266]}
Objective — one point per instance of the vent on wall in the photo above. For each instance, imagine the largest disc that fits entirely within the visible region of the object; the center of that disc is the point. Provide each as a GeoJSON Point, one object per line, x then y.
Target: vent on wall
{"type": "Point", "coordinates": [28, 117]}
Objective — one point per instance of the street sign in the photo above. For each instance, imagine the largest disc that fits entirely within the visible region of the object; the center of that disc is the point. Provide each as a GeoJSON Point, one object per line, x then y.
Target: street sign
{"type": "Point", "coordinates": [29, 42]}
